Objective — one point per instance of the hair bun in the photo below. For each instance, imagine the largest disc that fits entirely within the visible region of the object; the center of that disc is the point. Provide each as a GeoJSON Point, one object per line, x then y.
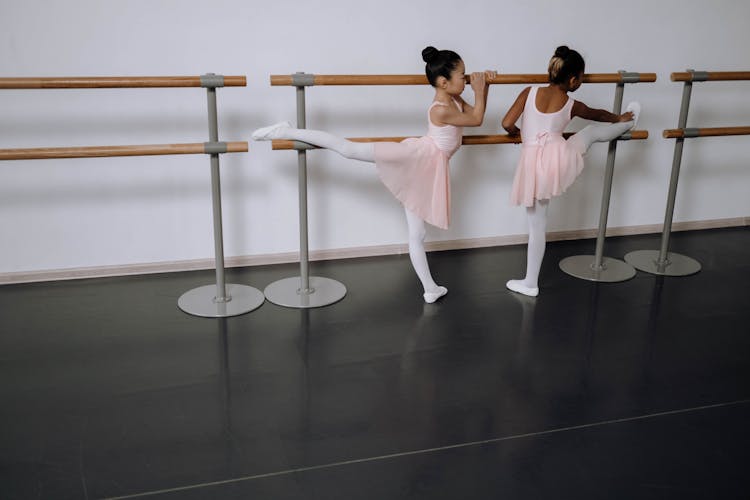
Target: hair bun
{"type": "Point", "coordinates": [429, 53]}
{"type": "Point", "coordinates": [562, 51]}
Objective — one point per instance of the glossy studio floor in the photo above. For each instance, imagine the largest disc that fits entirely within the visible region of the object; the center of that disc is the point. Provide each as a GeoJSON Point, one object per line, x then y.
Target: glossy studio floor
{"type": "Point", "coordinates": [633, 390]}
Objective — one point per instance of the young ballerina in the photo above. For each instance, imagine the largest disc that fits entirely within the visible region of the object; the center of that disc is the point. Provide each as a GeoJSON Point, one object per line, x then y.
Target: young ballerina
{"type": "Point", "coordinates": [549, 164]}
{"type": "Point", "coordinates": [415, 170]}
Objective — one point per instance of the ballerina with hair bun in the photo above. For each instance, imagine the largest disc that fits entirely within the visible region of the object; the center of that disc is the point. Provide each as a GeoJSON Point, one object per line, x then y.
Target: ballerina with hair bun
{"type": "Point", "coordinates": [415, 170]}
{"type": "Point", "coordinates": [549, 164]}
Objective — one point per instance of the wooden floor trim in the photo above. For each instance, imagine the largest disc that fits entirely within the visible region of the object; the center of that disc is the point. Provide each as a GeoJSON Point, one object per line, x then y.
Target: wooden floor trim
{"type": "Point", "coordinates": [347, 253]}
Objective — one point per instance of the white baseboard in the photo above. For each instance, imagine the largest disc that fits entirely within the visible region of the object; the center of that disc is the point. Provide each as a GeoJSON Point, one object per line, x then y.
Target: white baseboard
{"type": "Point", "coordinates": [347, 253]}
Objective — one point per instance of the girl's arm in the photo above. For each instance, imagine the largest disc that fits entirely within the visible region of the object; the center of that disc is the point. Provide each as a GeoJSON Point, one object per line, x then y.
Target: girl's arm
{"type": "Point", "coordinates": [514, 113]}
{"type": "Point", "coordinates": [598, 115]}
{"type": "Point", "coordinates": [471, 116]}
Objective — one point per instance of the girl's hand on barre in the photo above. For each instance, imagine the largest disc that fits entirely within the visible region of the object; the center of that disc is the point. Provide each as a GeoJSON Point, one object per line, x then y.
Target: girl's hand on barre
{"type": "Point", "coordinates": [478, 83]}
{"type": "Point", "coordinates": [513, 131]}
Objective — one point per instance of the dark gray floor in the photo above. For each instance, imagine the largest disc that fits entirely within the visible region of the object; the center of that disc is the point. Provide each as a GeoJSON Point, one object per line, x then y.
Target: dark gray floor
{"type": "Point", "coordinates": [631, 390]}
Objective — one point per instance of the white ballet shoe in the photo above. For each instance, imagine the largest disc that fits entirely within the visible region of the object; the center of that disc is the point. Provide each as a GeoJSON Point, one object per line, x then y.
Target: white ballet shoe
{"type": "Point", "coordinates": [518, 287]}
{"type": "Point", "coordinates": [274, 131]}
{"type": "Point", "coordinates": [635, 108]}
{"type": "Point", "coordinates": [432, 296]}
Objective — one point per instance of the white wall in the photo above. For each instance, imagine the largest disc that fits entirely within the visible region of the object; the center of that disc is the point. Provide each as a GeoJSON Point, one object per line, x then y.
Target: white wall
{"type": "Point", "coordinates": [114, 211]}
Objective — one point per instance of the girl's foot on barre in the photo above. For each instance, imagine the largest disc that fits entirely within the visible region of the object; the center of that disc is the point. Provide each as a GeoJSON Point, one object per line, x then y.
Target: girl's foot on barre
{"type": "Point", "coordinates": [519, 287]}
{"type": "Point", "coordinates": [432, 296]}
{"type": "Point", "coordinates": [635, 108]}
{"type": "Point", "coordinates": [274, 131]}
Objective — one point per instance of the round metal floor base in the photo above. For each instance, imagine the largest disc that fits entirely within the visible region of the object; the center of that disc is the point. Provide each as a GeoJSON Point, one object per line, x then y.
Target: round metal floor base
{"type": "Point", "coordinates": [200, 301]}
{"type": "Point", "coordinates": [287, 293]}
{"type": "Point", "coordinates": [582, 266]}
{"type": "Point", "coordinates": [675, 265]}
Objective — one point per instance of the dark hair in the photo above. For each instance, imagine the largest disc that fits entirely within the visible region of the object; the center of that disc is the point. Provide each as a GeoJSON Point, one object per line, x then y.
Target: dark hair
{"type": "Point", "coordinates": [439, 63]}
{"type": "Point", "coordinates": [564, 64]}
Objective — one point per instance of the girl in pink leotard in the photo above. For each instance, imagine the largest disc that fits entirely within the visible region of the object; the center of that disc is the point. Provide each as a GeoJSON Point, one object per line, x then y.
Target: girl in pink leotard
{"type": "Point", "coordinates": [416, 169]}
{"type": "Point", "coordinates": [549, 164]}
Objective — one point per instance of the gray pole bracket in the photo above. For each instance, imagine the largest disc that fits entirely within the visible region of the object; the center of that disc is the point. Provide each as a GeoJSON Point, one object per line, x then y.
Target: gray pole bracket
{"type": "Point", "coordinates": [625, 137]}
{"type": "Point", "coordinates": [302, 146]}
{"type": "Point", "coordinates": [699, 76]}
{"type": "Point", "coordinates": [214, 148]}
{"type": "Point", "coordinates": [303, 79]}
{"type": "Point", "coordinates": [628, 77]}
{"type": "Point", "coordinates": [212, 80]}
{"type": "Point", "coordinates": [689, 133]}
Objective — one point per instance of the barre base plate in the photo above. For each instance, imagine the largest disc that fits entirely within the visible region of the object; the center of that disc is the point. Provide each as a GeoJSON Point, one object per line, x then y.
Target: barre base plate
{"type": "Point", "coordinates": [675, 265]}
{"type": "Point", "coordinates": [200, 301]}
{"type": "Point", "coordinates": [582, 266]}
{"type": "Point", "coordinates": [287, 293]}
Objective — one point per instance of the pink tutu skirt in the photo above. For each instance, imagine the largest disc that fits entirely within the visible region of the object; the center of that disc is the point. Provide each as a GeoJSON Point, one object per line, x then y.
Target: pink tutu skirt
{"type": "Point", "coordinates": [416, 172]}
{"type": "Point", "coordinates": [544, 171]}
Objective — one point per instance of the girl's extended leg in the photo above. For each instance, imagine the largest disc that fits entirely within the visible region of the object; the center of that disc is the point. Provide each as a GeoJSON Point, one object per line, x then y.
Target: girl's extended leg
{"type": "Point", "coordinates": [354, 150]}
{"type": "Point", "coordinates": [603, 132]}
{"type": "Point", "coordinates": [537, 220]}
{"type": "Point", "coordinates": [418, 257]}
{"type": "Point", "coordinates": [363, 152]}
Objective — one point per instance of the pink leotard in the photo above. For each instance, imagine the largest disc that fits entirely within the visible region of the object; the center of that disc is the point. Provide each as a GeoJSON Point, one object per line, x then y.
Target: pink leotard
{"type": "Point", "coordinates": [547, 166]}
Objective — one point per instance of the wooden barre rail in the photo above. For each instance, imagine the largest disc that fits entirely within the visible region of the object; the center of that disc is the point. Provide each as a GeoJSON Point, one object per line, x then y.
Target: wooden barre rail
{"type": "Point", "coordinates": [107, 151]}
{"type": "Point", "coordinates": [282, 144]}
{"type": "Point", "coordinates": [679, 133]}
{"type": "Point", "coordinates": [288, 80]}
{"type": "Point", "coordinates": [715, 76]}
{"type": "Point", "coordinates": [109, 82]}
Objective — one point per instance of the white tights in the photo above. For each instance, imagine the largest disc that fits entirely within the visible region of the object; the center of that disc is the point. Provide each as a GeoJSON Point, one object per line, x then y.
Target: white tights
{"type": "Point", "coordinates": [365, 151]}
{"type": "Point", "coordinates": [597, 132]}
{"type": "Point", "coordinates": [536, 217]}
{"type": "Point", "coordinates": [417, 254]}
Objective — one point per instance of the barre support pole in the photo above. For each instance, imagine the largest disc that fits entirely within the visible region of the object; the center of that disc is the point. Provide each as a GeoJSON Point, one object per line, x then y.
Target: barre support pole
{"type": "Point", "coordinates": [304, 291]}
{"type": "Point", "coordinates": [663, 262]}
{"type": "Point", "coordinates": [221, 300]}
{"type": "Point", "coordinates": [596, 267]}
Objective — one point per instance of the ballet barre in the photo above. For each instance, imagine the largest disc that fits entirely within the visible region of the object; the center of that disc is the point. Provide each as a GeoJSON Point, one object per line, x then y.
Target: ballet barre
{"type": "Point", "coordinates": [216, 301]}
{"type": "Point", "coordinates": [121, 82]}
{"type": "Point", "coordinates": [305, 291]}
{"type": "Point", "coordinates": [688, 133]}
{"type": "Point", "coordinates": [709, 76]}
{"type": "Point", "coordinates": [312, 80]}
{"type": "Point", "coordinates": [663, 262]}
{"type": "Point", "coordinates": [111, 151]}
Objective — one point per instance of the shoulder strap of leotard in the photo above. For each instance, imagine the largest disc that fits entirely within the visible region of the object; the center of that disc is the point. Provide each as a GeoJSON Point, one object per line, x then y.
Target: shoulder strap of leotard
{"type": "Point", "coordinates": [531, 97]}
{"type": "Point", "coordinates": [441, 104]}
{"type": "Point", "coordinates": [458, 105]}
